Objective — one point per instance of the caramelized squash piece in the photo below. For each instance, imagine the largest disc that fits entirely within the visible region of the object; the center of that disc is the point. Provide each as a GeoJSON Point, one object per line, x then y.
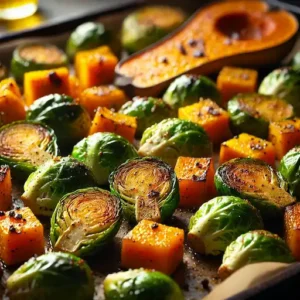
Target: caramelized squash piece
{"type": "Point", "coordinates": [41, 83]}
{"type": "Point", "coordinates": [152, 245]}
{"type": "Point", "coordinates": [284, 135]}
{"type": "Point", "coordinates": [210, 116]}
{"type": "Point", "coordinates": [11, 85]}
{"type": "Point", "coordinates": [21, 236]}
{"type": "Point", "coordinates": [246, 145]}
{"type": "Point", "coordinates": [95, 67]}
{"type": "Point", "coordinates": [5, 188]}
{"type": "Point", "coordinates": [107, 121]}
{"type": "Point", "coordinates": [196, 180]}
{"type": "Point", "coordinates": [232, 81]}
{"type": "Point", "coordinates": [104, 95]}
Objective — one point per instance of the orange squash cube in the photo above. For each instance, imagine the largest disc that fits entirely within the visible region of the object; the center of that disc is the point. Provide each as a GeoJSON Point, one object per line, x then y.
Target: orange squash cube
{"type": "Point", "coordinates": [5, 188]}
{"type": "Point", "coordinates": [153, 246]}
{"type": "Point", "coordinates": [107, 121]}
{"type": "Point", "coordinates": [41, 83]}
{"type": "Point", "coordinates": [95, 67]}
{"type": "Point", "coordinates": [104, 95]}
{"type": "Point", "coordinates": [21, 236]}
{"type": "Point", "coordinates": [210, 116]}
{"type": "Point", "coordinates": [284, 135]}
{"type": "Point", "coordinates": [11, 85]}
{"type": "Point", "coordinates": [232, 81]}
{"type": "Point", "coordinates": [246, 145]}
{"type": "Point", "coordinates": [74, 87]}
{"type": "Point", "coordinates": [196, 180]}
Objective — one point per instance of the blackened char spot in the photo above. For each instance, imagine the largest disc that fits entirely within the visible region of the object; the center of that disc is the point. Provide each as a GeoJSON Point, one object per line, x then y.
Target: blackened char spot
{"type": "Point", "coordinates": [55, 79]}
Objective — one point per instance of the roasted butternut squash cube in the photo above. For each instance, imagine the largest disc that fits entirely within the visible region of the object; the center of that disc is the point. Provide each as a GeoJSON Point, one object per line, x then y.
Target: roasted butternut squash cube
{"type": "Point", "coordinates": [196, 180]}
{"type": "Point", "coordinates": [5, 188]}
{"type": "Point", "coordinates": [11, 85]}
{"type": "Point", "coordinates": [210, 116]}
{"type": "Point", "coordinates": [41, 83]}
{"type": "Point", "coordinates": [107, 121]}
{"type": "Point", "coordinates": [74, 87]}
{"type": "Point", "coordinates": [246, 145]}
{"type": "Point", "coordinates": [104, 95]}
{"type": "Point", "coordinates": [284, 135]}
{"type": "Point", "coordinates": [152, 245]}
{"type": "Point", "coordinates": [292, 229]}
{"type": "Point", "coordinates": [232, 81]}
{"type": "Point", "coordinates": [95, 67]}
{"type": "Point", "coordinates": [21, 236]}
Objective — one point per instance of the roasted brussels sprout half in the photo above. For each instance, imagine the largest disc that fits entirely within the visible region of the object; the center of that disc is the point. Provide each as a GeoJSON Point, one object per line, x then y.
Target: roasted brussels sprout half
{"type": "Point", "coordinates": [252, 113]}
{"type": "Point", "coordinates": [289, 169]}
{"type": "Point", "coordinates": [148, 25]}
{"type": "Point", "coordinates": [172, 138]}
{"type": "Point", "coordinates": [253, 247]}
{"type": "Point", "coordinates": [220, 221]}
{"type": "Point", "coordinates": [148, 189]}
{"type": "Point", "coordinates": [84, 221]}
{"type": "Point", "coordinates": [188, 89]}
{"type": "Point", "coordinates": [148, 111]}
{"type": "Point", "coordinates": [36, 56]}
{"type": "Point", "coordinates": [255, 181]}
{"type": "Point", "coordinates": [69, 120]}
{"type": "Point", "coordinates": [140, 284]}
{"type": "Point", "coordinates": [87, 36]}
{"type": "Point", "coordinates": [283, 83]}
{"type": "Point", "coordinates": [296, 60]}
{"type": "Point", "coordinates": [26, 145]}
{"type": "Point", "coordinates": [3, 72]}
{"type": "Point", "coordinates": [102, 152]}
{"type": "Point", "coordinates": [52, 180]}
{"type": "Point", "coordinates": [51, 276]}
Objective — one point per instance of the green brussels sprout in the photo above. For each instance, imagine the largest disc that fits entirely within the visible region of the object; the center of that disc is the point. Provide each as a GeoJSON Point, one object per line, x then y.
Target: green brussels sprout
{"type": "Point", "coordinates": [148, 111]}
{"type": "Point", "coordinates": [102, 152]}
{"type": "Point", "coordinates": [93, 219]}
{"type": "Point", "coordinates": [36, 56]}
{"type": "Point", "coordinates": [220, 221]}
{"type": "Point", "coordinates": [52, 180]}
{"type": "Point", "coordinates": [283, 83]}
{"type": "Point", "coordinates": [148, 189]}
{"type": "Point", "coordinates": [289, 169]}
{"type": "Point", "coordinates": [253, 247]}
{"type": "Point", "coordinates": [51, 276]}
{"type": "Point", "coordinates": [252, 113]}
{"type": "Point", "coordinates": [188, 89]}
{"type": "Point", "coordinates": [69, 120]}
{"type": "Point", "coordinates": [296, 60]}
{"type": "Point", "coordinates": [256, 181]}
{"type": "Point", "coordinates": [3, 72]}
{"type": "Point", "coordinates": [24, 146]}
{"type": "Point", "coordinates": [87, 36]}
{"type": "Point", "coordinates": [148, 25]}
{"type": "Point", "coordinates": [141, 284]}
{"type": "Point", "coordinates": [172, 138]}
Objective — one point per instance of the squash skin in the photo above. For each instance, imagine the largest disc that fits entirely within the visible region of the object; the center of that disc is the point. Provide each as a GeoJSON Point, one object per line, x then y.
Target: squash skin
{"type": "Point", "coordinates": [244, 53]}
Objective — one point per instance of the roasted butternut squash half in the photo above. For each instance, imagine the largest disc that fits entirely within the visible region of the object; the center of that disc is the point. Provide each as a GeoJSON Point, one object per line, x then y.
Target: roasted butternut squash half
{"type": "Point", "coordinates": [243, 33]}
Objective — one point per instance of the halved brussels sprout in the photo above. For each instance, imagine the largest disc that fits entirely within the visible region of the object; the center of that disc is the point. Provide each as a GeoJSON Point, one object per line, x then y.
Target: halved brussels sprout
{"type": "Point", "coordinates": [52, 180]}
{"type": "Point", "coordinates": [220, 221]}
{"type": "Point", "coordinates": [148, 189]}
{"type": "Point", "coordinates": [140, 284]}
{"type": "Point", "coordinates": [51, 276]}
{"type": "Point", "coordinates": [188, 89]}
{"type": "Point", "coordinates": [252, 113]}
{"type": "Point", "coordinates": [283, 83]}
{"type": "Point", "coordinates": [148, 25]}
{"type": "Point", "coordinates": [24, 146]}
{"type": "Point", "coordinates": [172, 138]}
{"type": "Point", "coordinates": [84, 221]}
{"type": "Point", "coordinates": [36, 56]}
{"type": "Point", "coordinates": [87, 36]}
{"type": "Point", "coordinates": [3, 71]}
{"type": "Point", "coordinates": [102, 152]}
{"type": "Point", "coordinates": [253, 247]}
{"type": "Point", "coordinates": [69, 120]}
{"type": "Point", "coordinates": [289, 169]}
{"type": "Point", "coordinates": [148, 111]}
{"type": "Point", "coordinates": [255, 181]}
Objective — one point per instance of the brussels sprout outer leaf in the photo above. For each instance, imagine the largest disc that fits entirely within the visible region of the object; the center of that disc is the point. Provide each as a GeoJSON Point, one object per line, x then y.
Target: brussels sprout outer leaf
{"type": "Point", "coordinates": [141, 284]}
{"type": "Point", "coordinates": [220, 221]}
{"type": "Point", "coordinates": [51, 276]}
{"type": "Point", "coordinates": [102, 153]}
